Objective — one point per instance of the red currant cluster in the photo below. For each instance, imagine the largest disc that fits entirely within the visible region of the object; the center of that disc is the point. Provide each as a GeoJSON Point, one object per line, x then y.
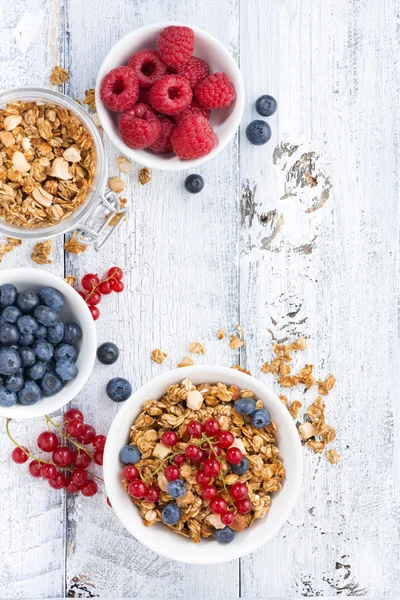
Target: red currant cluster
{"type": "Point", "coordinates": [72, 462]}
{"type": "Point", "coordinates": [95, 289]}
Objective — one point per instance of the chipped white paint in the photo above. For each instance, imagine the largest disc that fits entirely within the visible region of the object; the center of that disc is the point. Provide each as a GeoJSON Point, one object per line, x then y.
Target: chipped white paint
{"type": "Point", "coordinates": [323, 262]}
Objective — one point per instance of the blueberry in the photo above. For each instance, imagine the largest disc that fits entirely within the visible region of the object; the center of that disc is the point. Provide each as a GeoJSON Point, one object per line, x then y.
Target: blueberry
{"type": "Point", "coordinates": [258, 132]}
{"type": "Point", "coordinates": [30, 393]}
{"type": "Point", "coordinates": [36, 371]}
{"type": "Point", "coordinates": [118, 389]}
{"type": "Point", "coordinates": [27, 356]}
{"type": "Point", "coordinates": [65, 351]}
{"type": "Point", "coordinates": [177, 488]}
{"type": "Point", "coordinates": [26, 339]}
{"type": "Point", "coordinates": [41, 332]}
{"type": "Point", "coordinates": [55, 333]}
{"type": "Point", "coordinates": [27, 301]}
{"type": "Point", "coordinates": [171, 514]}
{"type": "Point", "coordinates": [241, 468]}
{"type": "Point", "coordinates": [194, 183]}
{"type": "Point", "coordinates": [260, 418]}
{"type": "Point", "coordinates": [45, 315]}
{"type": "Point", "coordinates": [245, 406]}
{"type": "Point", "coordinates": [72, 332]}
{"type": "Point", "coordinates": [10, 314]}
{"type": "Point", "coordinates": [107, 353]}
{"type": "Point", "coordinates": [129, 455]}
{"type": "Point", "coordinates": [50, 384]}
{"type": "Point", "coordinates": [50, 365]}
{"type": "Point", "coordinates": [7, 398]}
{"type": "Point", "coordinates": [52, 298]}
{"type": "Point", "coordinates": [266, 105]}
{"type": "Point", "coordinates": [9, 334]}
{"type": "Point", "coordinates": [43, 350]}
{"type": "Point", "coordinates": [15, 382]}
{"type": "Point", "coordinates": [27, 324]}
{"type": "Point", "coordinates": [66, 369]}
{"type": "Point", "coordinates": [225, 535]}
{"type": "Point", "coordinates": [8, 294]}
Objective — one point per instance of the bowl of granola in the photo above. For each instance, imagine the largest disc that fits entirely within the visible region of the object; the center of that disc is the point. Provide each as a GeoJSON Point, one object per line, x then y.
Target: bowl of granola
{"type": "Point", "coordinates": [203, 464]}
{"type": "Point", "coordinates": [52, 170]}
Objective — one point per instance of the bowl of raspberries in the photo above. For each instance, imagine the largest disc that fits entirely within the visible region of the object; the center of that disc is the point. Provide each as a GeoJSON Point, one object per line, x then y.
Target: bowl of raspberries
{"type": "Point", "coordinates": [47, 343]}
{"type": "Point", "coordinates": [169, 96]}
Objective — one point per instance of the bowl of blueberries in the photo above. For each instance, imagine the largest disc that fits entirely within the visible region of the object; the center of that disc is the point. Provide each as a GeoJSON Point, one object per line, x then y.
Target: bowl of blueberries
{"type": "Point", "coordinates": [47, 343]}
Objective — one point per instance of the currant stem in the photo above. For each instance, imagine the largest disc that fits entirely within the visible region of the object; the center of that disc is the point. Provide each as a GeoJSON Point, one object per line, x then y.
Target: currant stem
{"type": "Point", "coordinates": [59, 429]}
{"type": "Point", "coordinates": [94, 288]}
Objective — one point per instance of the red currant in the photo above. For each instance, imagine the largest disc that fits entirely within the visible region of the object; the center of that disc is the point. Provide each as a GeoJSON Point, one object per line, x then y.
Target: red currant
{"type": "Point", "coordinates": [79, 477]}
{"type": "Point", "coordinates": [179, 459]}
{"type": "Point", "coordinates": [115, 272]}
{"type": "Point", "coordinates": [137, 489]}
{"type": "Point", "coordinates": [95, 312]}
{"type": "Point", "coordinates": [211, 427]}
{"type": "Point", "coordinates": [194, 429]}
{"type": "Point", "coordinates": [238, 491]}
{"type": "Point", "coordinates": [192, 451]}
{"type": "Point", "coordinates": [169, 438]}
{"type": "Point", "coordinates": [62, 456]}
{"type": "Point", "coordinates": [212, 467]}
{"type": "Point", "coordinates": [207, 450]}
{"type": "Point", "coordinates": [87, 436]}
{"type": "Point", "coordinates": [81, 460]}
{"type": "Point", "coordinates": [108, 501]}
{"type": "Point", "coordinates": [58, 482]}
{"type": "Point", "coordinates": [48, 471]}
{"type": "Point", "coordinates": [105, 288]}
{"type": "Point", "coordinates": [99, 442]}
{"type": "Point", "coordinates": [47, 441]}
{"type": "Point", "coordinates": [73, 413]}
{"type": "Point", "coordinates": [234, 455]}
{"type": "Point", "coordinates": [209, 492]}
{"type": "Point", "coordinates": [89, 281]}
{"type": "Point", "coordinates": [202, 478]}
{"type": "Point", "coordinates": [130, 472]}
{"type": "Point", "coordinates": [98, 457]}
{"type": "Point", "coordinates": [243, 506]}
{"type": "Point", "coordinates": [75, 428]}
{"type": "Point", "coordinates": [90, 488]}
{"type": "Point", "coordinates": [82, 294]}
{"type": "Point", "coordinates": [19, 456]}
{"type": "Point", "coordinates": [171, 472]}
{"type": "Point", "coordinates": [225, 438]}
{"type": "Point", "coordinates": [94, 298]}
{"type": "Point", "coordinates": [201, 456]}
{"type": "Point", "coordinates": [153, 494]}
{"type": "Point", "coordinates": [227, 517]}
{"type": "Point", "coordinates": [218, 505]}
{"type": "Point", "coordinates": [117, 286]}
{"type": "Point", "coordinates": [34, 468]}
{"type": "Point", "coordinates": [72, 488]}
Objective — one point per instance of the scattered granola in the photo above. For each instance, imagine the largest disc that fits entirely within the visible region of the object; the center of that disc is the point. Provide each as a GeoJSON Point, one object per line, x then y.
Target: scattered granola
{"type": "Point", "coordinates": [324, 387]}
{"type": "Point", "coordinates": [294, 408]}
{"type": "Point", "coordinates": [41, 252]}
{"type": "Point", "coordinates": [186, 362]}
{"type": "Point", "coordinates": [241, 369]}
{"type": "Point", "coordinates": [70, 279]}
{"type": "Point", "coordinates": [235, 342]}
{"type": "Point", "coordinates": [332, 456]}
{"type": "Point", "coordinates": [74, 246]}
{"type": "Point", "coordinates": [158, 356]}
{"type": "Point", "coordinates": [116, 184]}
{"type": "Point", "coordinates": [90, 99]}
{"type": "Point", "coordinates": [144, 175]}
{"type": "Point", "coordinates": [196, 348]}
{"type": "Point", "coordinates": [221, 333]}
{"type": "Point", "coordinates": [124, 164]}
{"type": "Point", "coordinates": [116, 218]}
{"type": "Point", "coordinates": [8, 246]}
{"type": "Point", "coordinates": [59, 76]}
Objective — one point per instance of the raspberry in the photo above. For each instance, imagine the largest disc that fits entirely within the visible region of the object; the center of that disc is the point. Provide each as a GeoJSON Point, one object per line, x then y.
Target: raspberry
{"type": "Point", "coordinates": [175, 45]}
{"type": "Point", "coordinates": [171, 94]}
{"type": "Point", "coordinates": [147, 66]}
{"type": "Point", "coordinates": [195, 71]}
{"type": "Point", "coordinates": [163, 142]}
{"type": "Point", "coordinates": [193, 137]}
{"type": "Point", "coordinates": [194, 108]}
{"type": "Point", "coordinates": [119, 89]}
{"type": "Point", "coordinates": [216, 91]}
{"type": "Point", "coordinates": [139, 126]}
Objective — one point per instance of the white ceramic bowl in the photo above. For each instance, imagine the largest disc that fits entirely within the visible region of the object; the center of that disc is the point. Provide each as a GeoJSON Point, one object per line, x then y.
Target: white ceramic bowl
{"type": "Point", "coordinates": [75, 309]}
{"type": "Point", "coordinates": [158, 537]}
{"type": "Point", "coordinates": [225, 122]}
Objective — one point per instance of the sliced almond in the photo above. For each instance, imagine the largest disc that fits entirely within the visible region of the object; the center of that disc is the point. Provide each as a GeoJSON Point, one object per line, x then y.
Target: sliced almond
{"type": "Point", "coordinates": [72, 154]}
{"type": "Point", "coordinates": [7, 138]}
{"type": "Point", "coordinates": [116, 184]}
{"type": "Point", "coordinates": [239, 444]}
{"type": "Point", "coordinates": [26, 144]}
{"type": "Point", "coordinates": [161, 451]}
{"type": "Point", "coordinates": [11, 122]}
{"type": "Point", "coordinates": [162, 482]}
{"type": "Point", "coordinates": [59, 169]}
{"type": "Point", "coordinates": [307, 430]}
{"type": "Point", "coordinates": [194, 400]}
{"type": "Point", "coordinates": [43, 197]}
{"type": "Point", "coordinates": [215, 521]}
{"type": "Point", "coordinates": [124, 164]}
{"type": "Point", "coordinates": [20, 163]}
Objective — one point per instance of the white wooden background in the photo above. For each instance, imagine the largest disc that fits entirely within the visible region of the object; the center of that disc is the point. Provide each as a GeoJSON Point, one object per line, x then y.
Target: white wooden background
{"type": "Point", "coordinates": [322, 263]}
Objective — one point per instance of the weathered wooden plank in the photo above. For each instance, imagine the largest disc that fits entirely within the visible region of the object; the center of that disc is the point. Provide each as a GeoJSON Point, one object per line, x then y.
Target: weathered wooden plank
{"type": "Point", "coordinates": [179, 257]}
{"type": "Point", "coordinates": [327, 271]}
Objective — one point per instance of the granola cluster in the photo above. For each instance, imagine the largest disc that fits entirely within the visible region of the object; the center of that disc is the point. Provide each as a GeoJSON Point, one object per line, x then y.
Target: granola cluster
{"type": "Point", "coordinates": [47, 163]}
{"type": "Point", "coordinates": [264, 476]}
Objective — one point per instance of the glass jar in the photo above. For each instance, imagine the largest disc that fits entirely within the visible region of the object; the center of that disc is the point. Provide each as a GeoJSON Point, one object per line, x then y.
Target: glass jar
{"type": "Point", "coordinates": [91, 219]}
